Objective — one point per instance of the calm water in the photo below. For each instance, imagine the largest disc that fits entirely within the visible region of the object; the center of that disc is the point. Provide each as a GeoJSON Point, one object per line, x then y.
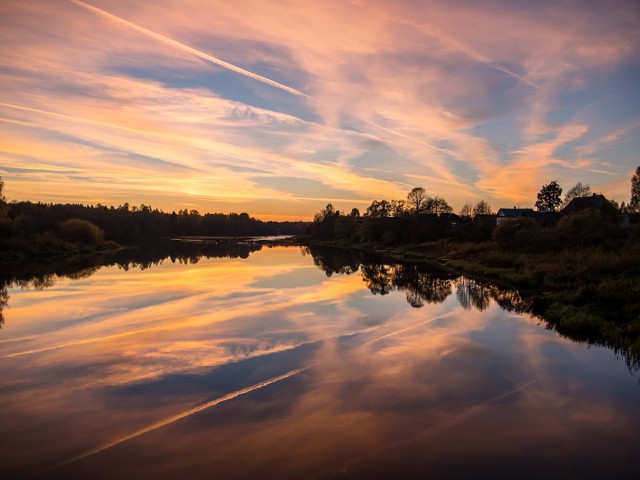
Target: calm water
{"type": "Point", "coordinates": [271, 367]}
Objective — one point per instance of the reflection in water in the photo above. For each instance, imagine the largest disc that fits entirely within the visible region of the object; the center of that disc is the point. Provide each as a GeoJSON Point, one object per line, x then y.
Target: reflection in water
{"type": "Point", "coordinates": [4, 300]}
{"type": "Point", "coordinates": [265, 366]}
{"type": "Point", "coordinates": [421, 283]}
{"type": "Point", "coordinates": [472, 293]}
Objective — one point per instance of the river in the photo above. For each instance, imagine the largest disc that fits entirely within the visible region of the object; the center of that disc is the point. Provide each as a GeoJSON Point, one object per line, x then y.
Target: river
{"type": "Point", "coordinates": [280, 362]}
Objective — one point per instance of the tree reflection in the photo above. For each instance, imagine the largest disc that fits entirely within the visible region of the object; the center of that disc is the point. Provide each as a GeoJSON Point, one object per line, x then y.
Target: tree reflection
{"type": "Point", "coordinates": [420, 284]}
{"type": "Point", "coordinates": [40, 276]}
{"type": "Point", "coordinates": [333, 261]}
{"type": "Point", "coordinates": [423, 285]}
{"type": "Point", "coordinates": [471, 293]}
{"type": "Point", "coordinates": [4, 301]}
{"type": "Point", "coordinates": [378, 278]}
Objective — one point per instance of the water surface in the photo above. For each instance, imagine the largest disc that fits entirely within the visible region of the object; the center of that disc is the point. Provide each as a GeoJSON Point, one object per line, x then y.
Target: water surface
{"type": "Point", "coordinates": [281, 364]}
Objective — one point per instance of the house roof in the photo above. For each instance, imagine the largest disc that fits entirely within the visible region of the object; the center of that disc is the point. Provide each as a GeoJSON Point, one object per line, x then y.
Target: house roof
{"type": "Point", "coordinates": [515, 212]}
{"type": "Point", "coordinates": [577, 204]}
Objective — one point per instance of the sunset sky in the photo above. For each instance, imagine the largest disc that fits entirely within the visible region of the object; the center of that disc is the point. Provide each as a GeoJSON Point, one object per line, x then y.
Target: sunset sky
{"type": "Point", "coordinates": [276, 108]}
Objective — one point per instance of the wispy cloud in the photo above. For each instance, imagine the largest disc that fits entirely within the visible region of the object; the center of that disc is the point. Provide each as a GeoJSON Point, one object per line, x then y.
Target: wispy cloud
{"type": "Point", "coordinates": [186, 48]}
{"type": "Point", "coordinates": [367, 100]}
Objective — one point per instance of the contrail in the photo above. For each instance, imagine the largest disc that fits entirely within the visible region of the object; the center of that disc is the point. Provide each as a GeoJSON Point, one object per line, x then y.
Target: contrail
{"type": "Point", "coordinates": [86, 120]}
{"type": "Point", "coordinates": [179, 416]}
{"type": "Point", "coordinates": [410, 327]}
{"type": "Point", "coordinates": [464, 49]}
{"type": "Point", "coordinates": [422, 142]}
{"type": "Point", "coordinates": [186, 48]}
{"type": "Point", "coordinates": [434, 431]}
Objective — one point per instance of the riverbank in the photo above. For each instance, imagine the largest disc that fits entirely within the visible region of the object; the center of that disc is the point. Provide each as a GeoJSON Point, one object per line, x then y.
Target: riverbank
{"type": "Point", "coordinates": [589, 293]}
{"type": "Point", "coordinates": [19, 251]}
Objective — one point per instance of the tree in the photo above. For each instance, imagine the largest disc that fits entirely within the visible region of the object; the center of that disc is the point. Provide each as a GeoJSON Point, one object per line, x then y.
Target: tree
{"type": "Point", "coordinates": [416, 198]}
{"type": "Point", "coordinates": [3, 201]}
{"type": "Point", "coordinates": [466, 209]}
{"type": "Point", "coordinates": [481, 208]}
{"type": "Point", "coordinates": [438, 205]}
{"type": "Point", "coordinates": [578, 190]}
{"type": "Point", "coordinates": [326, 214]}
{"type": "Point", "coordinates": [549, 197]}
{"type": "Point", "coordinates": [379, 209]}
{"type": "Point", "coordinates": [397, 208]}
{"type": "Point", "coordinates": [634, 203]}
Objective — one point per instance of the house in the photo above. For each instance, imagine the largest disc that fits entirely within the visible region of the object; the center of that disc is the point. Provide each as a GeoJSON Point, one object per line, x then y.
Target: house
{"type": "Point", "coordinates": [593, 202]}
{"type": "Point", "coordinates": [544, 218]}
{"type": "Point", "coordinates": [505, 214]}
{"type": "Point", "coordinates": [451, 220]}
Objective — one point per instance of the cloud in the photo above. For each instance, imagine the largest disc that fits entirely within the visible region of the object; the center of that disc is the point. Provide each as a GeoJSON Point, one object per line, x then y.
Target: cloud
{"type": "Point", "coordinates": [181, 46]}
{"type": "Point", "coordinates": [449, 89]}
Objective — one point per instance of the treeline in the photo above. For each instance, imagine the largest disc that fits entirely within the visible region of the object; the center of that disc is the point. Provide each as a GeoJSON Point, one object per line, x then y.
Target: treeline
{"type": "Point", "coordinates": [30, 229]}
{"type": "Point", "coordinates": [420, 218]}
{"type": "Point", "coordinates": [128, 224]}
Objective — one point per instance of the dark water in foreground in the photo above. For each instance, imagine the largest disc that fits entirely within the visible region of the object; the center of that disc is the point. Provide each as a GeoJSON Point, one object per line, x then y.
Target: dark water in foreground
{"type": "Point", "coordinates": [270, 367]}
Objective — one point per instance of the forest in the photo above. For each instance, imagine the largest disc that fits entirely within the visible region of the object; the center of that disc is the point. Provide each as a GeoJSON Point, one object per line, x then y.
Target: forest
{"type": "Point", "coordinates": [29, 230]}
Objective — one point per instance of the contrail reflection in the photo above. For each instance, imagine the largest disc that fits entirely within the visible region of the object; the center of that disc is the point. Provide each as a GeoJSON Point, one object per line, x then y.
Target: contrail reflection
{"type": "Point", "coordinates": [179, 416]}
{"type": "Point", "coordinates": [230, 396]}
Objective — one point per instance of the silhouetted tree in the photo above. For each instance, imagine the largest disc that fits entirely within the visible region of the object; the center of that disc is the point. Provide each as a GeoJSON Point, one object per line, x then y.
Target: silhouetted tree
{"type": "Point", "coordinates": [3, 201]}
{"type": "Point", "coordinates": [397, 208]}
{"type": "Point", "coordinates": [437, 205]}
{"type": "Point", "coordinates": [416, 198]}
{"type": "Point", "coordinates": [466, 210]}
{"type": "Point", "coordinates": [634, 203]}
{"type": "Point", "coordinates": [549, 197]}
{"type": "Point", "coordinates": [578, 190]}
{"type": "Point", "coordinates": [379, 209]}
{"type": "Point", "coordinates": [481, 208]}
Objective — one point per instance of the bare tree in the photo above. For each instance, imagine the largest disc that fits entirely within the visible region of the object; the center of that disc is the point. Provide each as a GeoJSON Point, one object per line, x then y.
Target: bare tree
{"type": "Point", "coordinates": [466, 210]}
{"type": "Point", "coordinates": [481, 208]}
{"type": "Point", "coordinates": [416, 199]}
{"type": "Point", "coordinates": [578, 190]}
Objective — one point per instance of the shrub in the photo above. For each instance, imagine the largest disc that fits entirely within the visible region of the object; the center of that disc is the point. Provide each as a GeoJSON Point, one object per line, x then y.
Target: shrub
{"type": "Point", "coordinates": [81, 231]}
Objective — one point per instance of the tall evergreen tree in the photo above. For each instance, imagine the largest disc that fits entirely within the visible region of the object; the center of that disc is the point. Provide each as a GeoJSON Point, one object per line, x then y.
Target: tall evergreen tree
{"type": "Point", "coordinates": [634, 203]}
{"type": "Point", "coordinates": [3, 201]}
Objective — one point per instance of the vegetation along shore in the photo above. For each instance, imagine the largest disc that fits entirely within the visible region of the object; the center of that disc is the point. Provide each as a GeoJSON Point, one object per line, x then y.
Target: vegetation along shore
{"type": "Point", "coordinates": [576, 259]}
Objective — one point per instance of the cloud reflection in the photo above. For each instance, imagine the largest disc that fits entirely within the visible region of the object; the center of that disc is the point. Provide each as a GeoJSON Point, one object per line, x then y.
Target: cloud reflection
{"type": "Point", "coordinates": [386, 387]}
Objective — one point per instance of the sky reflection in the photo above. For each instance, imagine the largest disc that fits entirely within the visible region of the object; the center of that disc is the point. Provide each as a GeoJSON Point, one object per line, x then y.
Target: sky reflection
{"type": "Point", "coordinates": [266, 367]}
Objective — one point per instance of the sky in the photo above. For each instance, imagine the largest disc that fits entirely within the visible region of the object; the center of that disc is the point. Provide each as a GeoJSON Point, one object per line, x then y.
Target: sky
{"type": "Point", "coordinates": [278, 108]}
